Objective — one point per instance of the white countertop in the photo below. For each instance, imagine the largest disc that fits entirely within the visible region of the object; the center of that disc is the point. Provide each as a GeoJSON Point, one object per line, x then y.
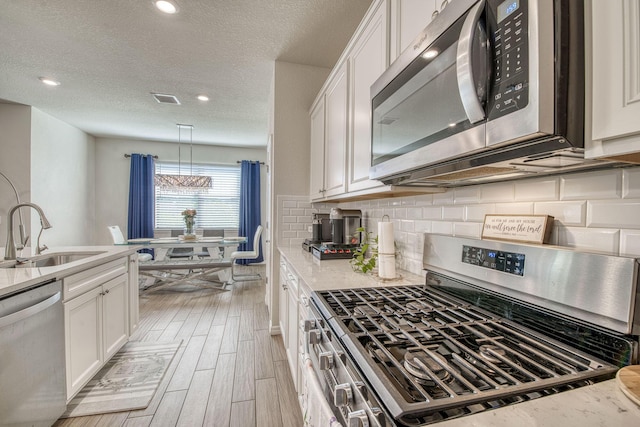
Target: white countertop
{"type": "Point", "coordinates": [16, 279]}
{"type": "Point", "coordinates": [601, 404]}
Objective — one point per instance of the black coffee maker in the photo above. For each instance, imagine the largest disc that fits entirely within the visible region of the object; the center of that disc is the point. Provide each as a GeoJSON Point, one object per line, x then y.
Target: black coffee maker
{"type": "Point", "coordinates": [344, 226]}
{"type": "Point", "coordinates": [320, 231]}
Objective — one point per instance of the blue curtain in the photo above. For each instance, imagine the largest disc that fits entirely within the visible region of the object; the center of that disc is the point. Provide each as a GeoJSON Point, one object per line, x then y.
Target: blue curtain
{"type": "Point", "coordinates": [141, 197]}
{"type": "Point", "coordinates": [249, 207]}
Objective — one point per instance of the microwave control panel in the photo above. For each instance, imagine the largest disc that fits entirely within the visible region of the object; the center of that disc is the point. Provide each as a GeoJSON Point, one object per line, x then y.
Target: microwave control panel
{"type": "Point", "coordinates": [508, 30]}
{"type": "Point", "coordinates": [508, 262]}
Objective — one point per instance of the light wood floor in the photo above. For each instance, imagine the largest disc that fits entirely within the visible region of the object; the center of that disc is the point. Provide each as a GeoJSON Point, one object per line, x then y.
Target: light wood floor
{"type": "Point", "coordinates": [229, 371]}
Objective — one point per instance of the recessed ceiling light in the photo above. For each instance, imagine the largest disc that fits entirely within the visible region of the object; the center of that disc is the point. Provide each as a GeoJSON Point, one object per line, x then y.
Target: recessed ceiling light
{"type": "Point", "coordinates": [203, 97]}
{"type": "Point", "coordinates": [166, 6]}
{"type": "Point", "coordinates": [49, 82]}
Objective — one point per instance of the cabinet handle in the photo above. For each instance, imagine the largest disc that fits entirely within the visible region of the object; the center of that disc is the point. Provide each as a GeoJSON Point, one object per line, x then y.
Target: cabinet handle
{"type": "Point", "coordinates": [106, 291]}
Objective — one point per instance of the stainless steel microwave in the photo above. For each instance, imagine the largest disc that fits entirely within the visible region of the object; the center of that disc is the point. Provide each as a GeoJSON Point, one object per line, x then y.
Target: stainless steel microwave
{"type": "Point", "coordinates": [490, 90]}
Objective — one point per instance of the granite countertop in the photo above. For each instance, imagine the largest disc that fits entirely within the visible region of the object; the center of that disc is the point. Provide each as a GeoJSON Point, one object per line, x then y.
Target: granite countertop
{"type": "Point", "coordinates": [15, 279]}
{"type": "Point", "coordinates": [600, 404]}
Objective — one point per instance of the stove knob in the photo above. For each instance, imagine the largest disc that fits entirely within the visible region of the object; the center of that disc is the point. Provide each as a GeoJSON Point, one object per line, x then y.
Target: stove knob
{"type": "Point", "coordinates": [358, 419]}
{"type": "Point", "coordinates": [342, 356]}
{"type": "Point", "coordinates": [326, 361]}
{"type": "Point", "coordinates": [364, 392]}
{"type": "Point", "coordinates": [309, 325]}
{"type": "Point", "coordinates": [342, 395]}
{"type": "Point", "coordinates": [315, 336]}
{"type": "Point", "coordinates": [379, 416]}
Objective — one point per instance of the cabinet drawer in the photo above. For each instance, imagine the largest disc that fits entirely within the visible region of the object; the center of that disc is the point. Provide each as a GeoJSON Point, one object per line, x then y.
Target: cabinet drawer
{"type": "Point", "coordinates": [79, 283]}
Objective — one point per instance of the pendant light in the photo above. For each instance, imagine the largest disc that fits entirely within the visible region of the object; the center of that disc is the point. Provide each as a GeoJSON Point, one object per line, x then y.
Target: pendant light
{"type": "Point", "coordinates": [180, 181]}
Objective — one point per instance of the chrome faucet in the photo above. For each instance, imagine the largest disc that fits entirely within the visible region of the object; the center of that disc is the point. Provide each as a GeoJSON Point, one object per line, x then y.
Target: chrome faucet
{"type": "Point", "coordinates": [10, 248]}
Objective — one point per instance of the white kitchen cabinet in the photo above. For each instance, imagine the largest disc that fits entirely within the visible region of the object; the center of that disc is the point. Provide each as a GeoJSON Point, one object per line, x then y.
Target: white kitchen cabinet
{"type": "Point", "coordinates": [329, 121]}
{"type": "Point", "coordinates": [408, 19]}
{"type": "Point", "coordinates": [335, 148]}
{"type": "Point", "coordinates": [96, 320]}
{"type": "Point", "coordinates": [615, 79]}
{"type": "Point", "coordinates": [288, 313]}
{"type": "Point", "coordinates": [134, 297]}
{"type": "Point", "coordinates": [316, 166]}
{"type": "Point", "coordinates": [368, 61]}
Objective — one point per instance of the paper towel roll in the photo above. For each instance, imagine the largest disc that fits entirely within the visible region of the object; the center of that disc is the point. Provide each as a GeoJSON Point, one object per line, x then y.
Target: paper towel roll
{"type": "Point", "coordinates": [385, 238]}
{"type": "Point", "coordinates": [387, 266]}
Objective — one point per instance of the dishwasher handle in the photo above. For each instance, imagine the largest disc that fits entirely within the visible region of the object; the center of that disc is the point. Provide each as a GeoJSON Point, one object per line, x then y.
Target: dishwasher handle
{"type": "Point", "coordinates": [30, 311]}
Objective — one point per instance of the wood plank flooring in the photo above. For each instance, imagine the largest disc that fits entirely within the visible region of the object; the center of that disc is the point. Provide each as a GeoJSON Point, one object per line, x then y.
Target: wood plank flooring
{"type": "Point", "coordinates": [228, 372]}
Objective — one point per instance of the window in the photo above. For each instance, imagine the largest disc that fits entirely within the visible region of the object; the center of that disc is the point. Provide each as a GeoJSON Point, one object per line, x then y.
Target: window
{"type": "Point", "coordinates": [217, 207]}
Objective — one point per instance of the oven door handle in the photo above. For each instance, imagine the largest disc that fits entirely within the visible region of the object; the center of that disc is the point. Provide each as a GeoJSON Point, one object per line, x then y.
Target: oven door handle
{"type": "Point", "coordinates": [464, 68]}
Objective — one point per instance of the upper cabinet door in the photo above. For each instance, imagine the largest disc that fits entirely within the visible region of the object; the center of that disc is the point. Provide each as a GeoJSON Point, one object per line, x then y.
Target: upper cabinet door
{"type": "Point", "coordinates": [408, 19]}
{"type": "Point", "coordinates": [615, 40]}
{"type": "Point", "coordinates": [316, 166]}
{"type": "Point", "coordinates": [368, 62]}
{"type": "Point", "coordinates": [335, 149]}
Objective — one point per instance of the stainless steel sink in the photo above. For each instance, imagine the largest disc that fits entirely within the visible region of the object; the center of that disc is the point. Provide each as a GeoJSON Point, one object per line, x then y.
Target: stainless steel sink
{"type": "Point", "coordinates": [49, 260]}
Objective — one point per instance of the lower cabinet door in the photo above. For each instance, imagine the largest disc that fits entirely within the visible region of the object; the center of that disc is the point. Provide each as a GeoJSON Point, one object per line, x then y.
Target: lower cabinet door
{"type": "Point", "coordinates": [83, 336]}
{"type": "Point", "coordinates": [115, 315]}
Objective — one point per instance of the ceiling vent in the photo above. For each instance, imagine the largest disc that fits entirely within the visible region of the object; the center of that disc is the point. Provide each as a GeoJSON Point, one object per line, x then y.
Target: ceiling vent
{"type": "Point", "coordinates": [166, 99]}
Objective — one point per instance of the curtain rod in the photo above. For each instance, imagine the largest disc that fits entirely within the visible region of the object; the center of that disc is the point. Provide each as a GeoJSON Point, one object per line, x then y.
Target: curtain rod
{"type": "Point", "coordinates": [144, 155]}
{"type": "Point", "coordinates": [256, 161]}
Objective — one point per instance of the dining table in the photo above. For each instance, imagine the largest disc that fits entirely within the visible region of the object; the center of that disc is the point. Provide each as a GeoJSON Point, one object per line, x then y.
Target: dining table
{"type": "Point", "coordinates": [170, 272]}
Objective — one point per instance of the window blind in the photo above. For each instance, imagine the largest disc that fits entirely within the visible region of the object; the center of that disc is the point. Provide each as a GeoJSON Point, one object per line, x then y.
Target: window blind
{"type": "Point", "coordinates": [217, 207]}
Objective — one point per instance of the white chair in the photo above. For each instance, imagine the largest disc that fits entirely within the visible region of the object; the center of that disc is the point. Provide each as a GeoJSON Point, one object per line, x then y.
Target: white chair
{"type": "Point", "coordinates": [247, 255]}
{"type": "Point", "coordinates": [118, 239]}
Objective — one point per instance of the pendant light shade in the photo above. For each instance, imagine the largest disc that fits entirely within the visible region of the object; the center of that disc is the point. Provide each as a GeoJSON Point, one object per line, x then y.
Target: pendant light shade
{"type": "Point", "coordinates": [180, 181]}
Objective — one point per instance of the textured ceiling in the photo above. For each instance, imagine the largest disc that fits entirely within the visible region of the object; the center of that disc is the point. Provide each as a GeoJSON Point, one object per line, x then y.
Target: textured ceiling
{"type": "Point", "coordinates": [110, 55]}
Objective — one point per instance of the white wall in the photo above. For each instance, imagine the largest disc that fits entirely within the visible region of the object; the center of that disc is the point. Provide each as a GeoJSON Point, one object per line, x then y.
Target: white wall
{"type": "Point", "coordinates": [15, 158]}
{"type": "Point", "coordinates": [62, 181]}
{"type": "Point", "coordinates": [112, 174]}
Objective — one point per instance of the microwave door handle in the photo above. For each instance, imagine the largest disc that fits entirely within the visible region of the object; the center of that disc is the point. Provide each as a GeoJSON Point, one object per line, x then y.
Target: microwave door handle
{"type": "Point", "coordinates": [466, 84]}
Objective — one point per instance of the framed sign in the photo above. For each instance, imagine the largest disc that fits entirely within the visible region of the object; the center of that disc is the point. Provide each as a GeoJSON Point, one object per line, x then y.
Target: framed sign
{"type": "Point", "coordinates": [518, 228]}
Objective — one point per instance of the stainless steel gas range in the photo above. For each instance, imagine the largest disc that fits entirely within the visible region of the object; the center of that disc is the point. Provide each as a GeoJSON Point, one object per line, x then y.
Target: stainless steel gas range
{"type": "Point", "coordinates": [495, 324]}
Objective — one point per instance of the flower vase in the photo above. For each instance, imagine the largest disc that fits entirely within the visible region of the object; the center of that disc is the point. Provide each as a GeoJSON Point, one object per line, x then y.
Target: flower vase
{"type": "Point", "coordinates": [189, 233]}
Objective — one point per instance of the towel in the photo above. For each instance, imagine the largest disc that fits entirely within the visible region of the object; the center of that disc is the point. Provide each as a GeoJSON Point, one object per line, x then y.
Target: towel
{"type": "Point", "coordinates": [316, 411]}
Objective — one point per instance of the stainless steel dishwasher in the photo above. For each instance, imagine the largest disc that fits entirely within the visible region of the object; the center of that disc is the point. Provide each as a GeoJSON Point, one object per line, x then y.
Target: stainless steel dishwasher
{"type": "Point", "coordinates": [32, 364]}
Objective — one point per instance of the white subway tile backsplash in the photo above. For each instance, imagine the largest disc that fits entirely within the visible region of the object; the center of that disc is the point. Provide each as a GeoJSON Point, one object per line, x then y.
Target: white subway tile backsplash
{"type": "Point", "coordinates": [536, 189]}
{"type": "Point", "coordinates": [304, 204]}
{"type": "Point", "coordinates": [424, 199]}
{"type": "Point", "coordinates": [414, 213]}
{"type": "Point", "coordinates": [622, 214]}
{"type": "Point", "coordinates": [631, 183]}
{"type": "Point", "coordinates": [605, 184]}
{"type": "Point", "coordinates": [289, 219]}
{"type": "Point", "coordinates": [464, 195]}
{"type": "Point", "coordinates": [442, 227]}
{"type": "Point", "coordinates": [400, 213]}
{"type": "Point", "coordinates": [289, 234]}
{"type": "Point", "coordinates": [514, 208]}
{"type": "Point", "coordinates": [290, 204]}
{"type": "Point", "coordinates": [297, 212]}
{"type": "Point", "coordinates": [408, 226]}
{"type": "Point", "coordinates": [477, 212]}
{"type": "Point", "coordinates": [594, 240]}
{"type": "Point", "coordinates": [422, 226]}
{"type": "Point", "coordinates": [630, 243]}
{"type": "Point", "coordinates": [500, 192]}
{"type": "Point", "coordinates": [445, 198]}
{"type": "Point", "coordinates": [453, 213]}
{"type": "Point", "coordinates": [434, 212]}
{"type": "Point", "coordinates": [568, 213]}
{"type": "Point", "coordinates": [467, 229]}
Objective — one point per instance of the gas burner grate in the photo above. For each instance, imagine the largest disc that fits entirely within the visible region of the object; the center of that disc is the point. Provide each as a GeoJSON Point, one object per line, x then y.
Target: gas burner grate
{"type": "Point", "coordinates": [429, 351]}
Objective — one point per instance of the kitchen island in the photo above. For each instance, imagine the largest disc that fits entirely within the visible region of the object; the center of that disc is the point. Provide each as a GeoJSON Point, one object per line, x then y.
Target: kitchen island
{"type": "Point", "coordinates": [601, 404]}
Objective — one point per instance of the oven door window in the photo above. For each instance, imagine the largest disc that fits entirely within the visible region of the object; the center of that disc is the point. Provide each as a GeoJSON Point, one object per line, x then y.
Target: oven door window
{"type": "Point", "coordinates": [429, 101]}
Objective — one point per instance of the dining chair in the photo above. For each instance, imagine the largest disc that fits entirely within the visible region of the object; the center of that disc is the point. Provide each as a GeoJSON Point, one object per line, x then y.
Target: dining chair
{"type": "Point", "coordinates": [118, 239]}
{"type": "Point", "coordinates": [253, 254]}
